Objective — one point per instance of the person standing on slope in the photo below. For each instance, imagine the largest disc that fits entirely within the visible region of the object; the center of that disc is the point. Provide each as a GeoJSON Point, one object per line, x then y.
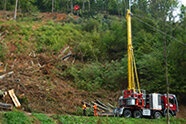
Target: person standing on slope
{"type": "Point", "coordinates": [84, 109]}
{"type": "Point", "coordinates": [95, 110]}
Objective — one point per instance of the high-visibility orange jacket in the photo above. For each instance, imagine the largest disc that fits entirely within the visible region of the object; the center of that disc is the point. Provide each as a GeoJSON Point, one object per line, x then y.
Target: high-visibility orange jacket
{"type": "Point", "coordinates": [95, 110]}
{"type": "Point", "coordinates": [84, 106]}
{"type": "Point", "coordinates": [95, 107]}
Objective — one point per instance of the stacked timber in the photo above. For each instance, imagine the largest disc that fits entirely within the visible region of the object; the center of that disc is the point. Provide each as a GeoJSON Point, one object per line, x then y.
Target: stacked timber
{"type": "Point", "coordinates": [6, 106]}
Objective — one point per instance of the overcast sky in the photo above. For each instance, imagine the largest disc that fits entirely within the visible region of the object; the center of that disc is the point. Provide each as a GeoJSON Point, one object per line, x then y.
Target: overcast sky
{"type": "Point", "coordinates": [183, 2]}
{"type": "Point", "coordinates": [177, 11]}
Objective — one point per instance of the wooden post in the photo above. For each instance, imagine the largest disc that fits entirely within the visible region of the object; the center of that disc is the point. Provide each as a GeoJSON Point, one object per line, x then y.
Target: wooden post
{"type": "Point", "coordinates": [166, 68]}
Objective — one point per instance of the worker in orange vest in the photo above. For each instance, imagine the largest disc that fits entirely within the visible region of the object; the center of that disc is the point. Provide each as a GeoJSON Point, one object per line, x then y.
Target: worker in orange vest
{"type": "Point", "coordinates": [95, 110]}
{"type": "Point", "coordinates": [84, 109]}
{"type": "Point", "coordinates": [1, 67]}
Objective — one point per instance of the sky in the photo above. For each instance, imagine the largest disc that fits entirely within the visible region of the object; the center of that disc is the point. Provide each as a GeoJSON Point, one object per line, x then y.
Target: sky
{"type": "Point", "coordinates": [177, 11]}
{"type": "Point", "coordinates": [183, 2]}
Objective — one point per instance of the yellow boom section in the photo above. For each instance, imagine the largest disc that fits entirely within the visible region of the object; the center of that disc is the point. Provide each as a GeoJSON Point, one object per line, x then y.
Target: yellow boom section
{"type": "Point", "coordinates": [131, 59]}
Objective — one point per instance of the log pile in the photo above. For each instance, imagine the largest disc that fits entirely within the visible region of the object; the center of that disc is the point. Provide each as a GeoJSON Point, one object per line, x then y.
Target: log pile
{"type": "Point", "coordinates": [104, 110]}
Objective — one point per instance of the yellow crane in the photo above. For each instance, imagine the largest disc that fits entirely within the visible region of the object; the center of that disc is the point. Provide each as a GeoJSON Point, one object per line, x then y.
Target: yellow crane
{"type": "Point", "coordinates": [131, 60]}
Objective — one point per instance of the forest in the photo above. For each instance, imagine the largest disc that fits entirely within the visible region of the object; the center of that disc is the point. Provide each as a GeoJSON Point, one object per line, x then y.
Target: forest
{"type": "Point", "coordinates": [96, 39]}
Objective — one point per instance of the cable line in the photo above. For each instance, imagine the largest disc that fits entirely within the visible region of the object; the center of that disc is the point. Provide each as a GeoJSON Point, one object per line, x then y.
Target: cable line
{"type": "Point", "coordinates": [158, 30]}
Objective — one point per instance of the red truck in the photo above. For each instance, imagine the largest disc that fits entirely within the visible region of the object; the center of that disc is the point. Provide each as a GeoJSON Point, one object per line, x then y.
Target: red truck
{"type": "Point", "coordinates": [137, 105]}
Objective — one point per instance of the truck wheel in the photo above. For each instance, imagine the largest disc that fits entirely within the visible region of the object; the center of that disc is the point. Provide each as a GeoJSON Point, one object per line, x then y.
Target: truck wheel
{"type": "Point", "coordinates": [157, 115]}
{"type": "Point", "coordinates": [127, 113]}
{"type": "Point", "coordinates": [137, 114]}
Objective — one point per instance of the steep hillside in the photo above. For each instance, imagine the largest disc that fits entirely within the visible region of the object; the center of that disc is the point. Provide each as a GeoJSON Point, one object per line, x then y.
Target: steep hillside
{"type": "Point", "coordinates": [60, 60]}
{"type": "Point", "coordinates": [37, 78]}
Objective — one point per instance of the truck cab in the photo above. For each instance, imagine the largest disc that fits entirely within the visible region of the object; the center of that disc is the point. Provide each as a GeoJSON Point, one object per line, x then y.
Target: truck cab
{"type": "Point", "coordinates": [173, 104]}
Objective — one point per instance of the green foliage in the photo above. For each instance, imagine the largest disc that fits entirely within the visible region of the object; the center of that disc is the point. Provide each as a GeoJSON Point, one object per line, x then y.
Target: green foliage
{"type": "Point", "coordinates": [91, 25]}
{"type": "Point", "coordinates": [20, 118]}
{"type": "Point", "coordinates": [15, 118]}
{"type": "Point", "coordinates": [94, 76]}
{"type": "Point", "coordinates": [49, 37]}
{"type": "Point", "coordinates": [110, 120]}
{"type": "Point", "coordinates": [43, 118]}
{"type": "Point", "coordinates": [28, 6]}
{"type": "Point", "coordinates": [114, 40]}
{"type": "Point", "coordinates": [2, 52]}
{"type": "Point", "coordinates": [151, 71]}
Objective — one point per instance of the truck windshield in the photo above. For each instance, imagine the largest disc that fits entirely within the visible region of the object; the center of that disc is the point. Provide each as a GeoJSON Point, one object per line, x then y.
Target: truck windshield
{"type": "Point", "coordinates": [172, 101]}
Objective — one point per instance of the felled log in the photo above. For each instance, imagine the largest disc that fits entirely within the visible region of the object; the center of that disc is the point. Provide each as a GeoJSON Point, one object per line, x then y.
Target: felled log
{"type": "Point", "coordinates": [102, 104]}
{"type": "Point", "coordinates": [65, 58]}
{"type": "Point", "coordinates": [4, 75]}
{"type": "Point", "coordinates": [14, 98]}
{"type": "Point", "coordinates": [6, 106]}
{"type": "Point", "coordinates": [62, 53]}
{"type": "Point", "coordinates": [101, 107]}
{"type": "Point", "coordinates": [110, 105]}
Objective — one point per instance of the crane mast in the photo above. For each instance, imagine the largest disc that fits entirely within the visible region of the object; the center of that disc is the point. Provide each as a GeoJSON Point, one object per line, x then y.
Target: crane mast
{"type": "Point", "coordinates": [131, 60]}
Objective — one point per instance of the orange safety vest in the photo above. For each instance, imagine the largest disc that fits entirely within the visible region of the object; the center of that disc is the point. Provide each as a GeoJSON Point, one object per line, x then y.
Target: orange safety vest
{"type": "Point", "coordinates": [95, 107]}
{"type": "Point", "coordinates": [84, 107]}
{"type": "Point", "coordinates": [95, 110]}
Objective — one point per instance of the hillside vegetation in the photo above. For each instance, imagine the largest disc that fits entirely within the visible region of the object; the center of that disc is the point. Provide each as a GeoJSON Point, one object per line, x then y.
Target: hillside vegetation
{"type": "Point", "coordinates": [99, 47]}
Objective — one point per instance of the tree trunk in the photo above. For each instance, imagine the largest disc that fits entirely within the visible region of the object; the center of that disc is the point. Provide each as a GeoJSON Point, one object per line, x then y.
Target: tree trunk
{"type": "Point", "coordinates": [165, 57]}
{"type": "Point", "coordinates": [83, 5]}
{"type": "Point", "coordinates": [15, 13]}
{"type": "Point", "coordinates": [68, 7]}
{"type": "Point", "coordinates": [4, 5]}
{"type": "Point", "coordinates": [19, 7]}
{"type": "Point", "coordinates": [72, 6]}
{"type": "Point", "coordinates": [52, 6]}
{"type": "Point", "coordinates": [55, 6]}
{"type": "Point", "coordinates": [89, 5]}
{"type": "Point", "coordinates": [118, 9]}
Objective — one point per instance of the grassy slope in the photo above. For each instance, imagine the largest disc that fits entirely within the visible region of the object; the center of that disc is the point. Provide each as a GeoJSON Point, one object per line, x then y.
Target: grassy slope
{"type": "Point", "coordinates": [21, 118]}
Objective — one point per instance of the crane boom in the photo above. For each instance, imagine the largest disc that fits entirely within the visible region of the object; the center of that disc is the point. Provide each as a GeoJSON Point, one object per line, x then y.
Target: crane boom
{"type": "Point", "coordinates": [131, 60]}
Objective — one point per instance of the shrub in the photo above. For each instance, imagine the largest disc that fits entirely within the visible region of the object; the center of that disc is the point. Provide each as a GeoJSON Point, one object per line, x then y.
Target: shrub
{"type": "Point", "coordinates": [91, 77]}
{"type": "Point", "coordinates": [15, 118]}
{"type": "Point", "coordinates": [43, 118]}
{"type": "Point", "coordinates": [91, 25]}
